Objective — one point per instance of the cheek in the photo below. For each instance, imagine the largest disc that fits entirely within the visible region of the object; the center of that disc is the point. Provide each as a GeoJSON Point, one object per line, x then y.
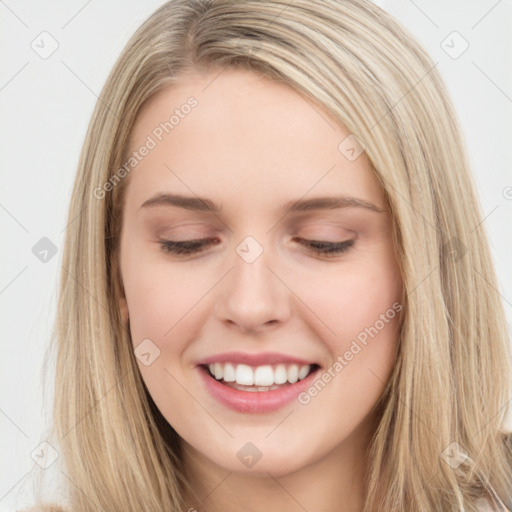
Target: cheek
{"type": "Point", "coordinates": [161, 302]}
{"type": "Point", "coordinates": [160, 299]}
{"type": "Point", "coordinates": [360, 304]}
{"type": "Point", "coordinates": [353, 297]}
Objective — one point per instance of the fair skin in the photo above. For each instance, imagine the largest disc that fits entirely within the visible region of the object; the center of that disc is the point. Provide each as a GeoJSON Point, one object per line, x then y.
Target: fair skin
{"type": "Point", "coordinates": [252, 145]}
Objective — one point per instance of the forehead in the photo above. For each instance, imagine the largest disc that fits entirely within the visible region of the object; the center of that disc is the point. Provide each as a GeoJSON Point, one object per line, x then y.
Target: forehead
{"type": "Point", "coordinates": [234, 103]}
{"type": "Point", "coordinates": [247, 135]}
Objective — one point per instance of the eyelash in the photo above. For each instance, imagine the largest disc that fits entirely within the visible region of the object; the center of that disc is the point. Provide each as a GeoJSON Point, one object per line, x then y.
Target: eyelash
{"type": "Point", "coordinates": [317, 246]}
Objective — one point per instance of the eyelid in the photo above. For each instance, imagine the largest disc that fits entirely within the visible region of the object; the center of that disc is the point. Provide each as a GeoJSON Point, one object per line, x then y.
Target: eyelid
{"type": "Point", "coordinates": [323, 248]}
{"type": "Point", "coordinates": [324, 231]}
{"type": "Point", "coordinates": [194, 230]}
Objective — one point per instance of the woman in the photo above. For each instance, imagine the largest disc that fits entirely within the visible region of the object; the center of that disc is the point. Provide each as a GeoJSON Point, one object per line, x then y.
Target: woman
{"type": "Point", "coordinates": [277, 293]}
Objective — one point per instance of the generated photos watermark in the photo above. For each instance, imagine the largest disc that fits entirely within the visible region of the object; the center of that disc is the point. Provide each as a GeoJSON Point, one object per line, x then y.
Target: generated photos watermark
{"type": "Point", "coordinates": [151, 142]}
{"type": "Point", "coordinates": [357, 345]}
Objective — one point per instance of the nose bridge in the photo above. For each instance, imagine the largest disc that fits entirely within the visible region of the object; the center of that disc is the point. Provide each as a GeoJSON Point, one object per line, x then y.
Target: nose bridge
{"type": "Point", "coordinates": [252, 295]}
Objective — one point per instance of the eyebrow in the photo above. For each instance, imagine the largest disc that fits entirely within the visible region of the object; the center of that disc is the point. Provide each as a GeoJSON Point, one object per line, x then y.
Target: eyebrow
{"type": "Point", "coordinates": [301, 205]}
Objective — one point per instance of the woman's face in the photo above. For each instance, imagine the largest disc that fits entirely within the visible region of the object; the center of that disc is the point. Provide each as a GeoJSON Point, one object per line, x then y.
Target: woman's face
{"type": "Point", "coordinates": [244, 166]}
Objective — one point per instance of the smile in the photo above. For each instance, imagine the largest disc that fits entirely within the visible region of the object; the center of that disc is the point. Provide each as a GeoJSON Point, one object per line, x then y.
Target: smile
{"type": "Point", "coordinates": [261, 378]}
{"type": "Point", "coordinates": [247, 387]}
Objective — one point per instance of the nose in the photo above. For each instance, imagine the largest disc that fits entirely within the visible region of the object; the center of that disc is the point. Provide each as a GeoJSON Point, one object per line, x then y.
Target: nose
{"type": "Point", "coordinates": [253, 299]}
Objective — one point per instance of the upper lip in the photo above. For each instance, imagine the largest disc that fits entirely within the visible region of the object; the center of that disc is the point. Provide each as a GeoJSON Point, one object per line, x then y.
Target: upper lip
{"type": "Point", "coordinates": [263, 358]}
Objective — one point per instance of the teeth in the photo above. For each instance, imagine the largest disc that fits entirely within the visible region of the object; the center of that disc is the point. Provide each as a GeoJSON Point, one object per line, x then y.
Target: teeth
{"type": "Point", "coordinates": [218, 371]}
{"type": "Point", "coordinates": [229, 373]}
{"type": "Point", "coordinates": [280, 374]}
{"type": "Point", "coordinates": [303, 371]}
{"type": "Point", "coordinates": [293, 374]}
{"type": "Point", "coordinates": [244, 375]}
{"type": "Point", "coordinates": [262, 377]}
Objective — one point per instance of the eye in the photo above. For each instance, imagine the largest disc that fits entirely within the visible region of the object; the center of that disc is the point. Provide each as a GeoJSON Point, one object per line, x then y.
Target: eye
{"type": "Point", "coordinates": [327, 248]}
{"type": "Point", "coordinates": [186, 247]}
{"type": "Point", "coordinates": [194, 246]}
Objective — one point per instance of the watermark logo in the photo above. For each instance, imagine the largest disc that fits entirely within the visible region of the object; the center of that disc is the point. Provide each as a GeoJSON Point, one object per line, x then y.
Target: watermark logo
{"type": "Point", "coordinates": [147, 352]}
{"type": "Point", "coordinates": [249, 249]}
{"type": "Point", "coordinates": [249, 454]}
{"type": "Point", "coordinates": [44, 455]}
{"type": "Point", "coordinates": [44, 250]}
{"type": "Point", "coordinates": [351, 147]}
{"type": "Point", "coordinates": [454, 45]}
{"type": "Point", "coordinates": [45, 45]}
{"type": "Point", "coordinates": [454, 249]}
{"type": "Point", "coordinates": [454, 455]}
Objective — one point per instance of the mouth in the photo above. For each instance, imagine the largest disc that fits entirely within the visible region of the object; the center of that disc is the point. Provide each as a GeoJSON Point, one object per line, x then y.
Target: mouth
{"type": "Point", "coordinates": [244, 377]}
{"type": "Point", "coordinates": [256, 389]}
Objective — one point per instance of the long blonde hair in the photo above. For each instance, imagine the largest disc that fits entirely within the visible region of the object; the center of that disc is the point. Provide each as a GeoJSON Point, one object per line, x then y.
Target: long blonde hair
{"type": "Point", "coordinates": [451, 382]}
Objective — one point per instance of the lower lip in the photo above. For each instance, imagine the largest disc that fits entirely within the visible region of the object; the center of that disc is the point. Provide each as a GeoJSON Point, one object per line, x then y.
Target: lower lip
{"type": "Point", "coordinates": [254, 401]}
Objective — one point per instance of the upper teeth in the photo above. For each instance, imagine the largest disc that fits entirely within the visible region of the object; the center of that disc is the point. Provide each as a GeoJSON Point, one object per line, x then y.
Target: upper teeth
{"type": "Point", "coordinates": [261, 375]}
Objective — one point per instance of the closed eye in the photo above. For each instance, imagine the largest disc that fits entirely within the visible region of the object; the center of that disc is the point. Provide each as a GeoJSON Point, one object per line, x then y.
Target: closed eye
{"type": "Point", "coordinates": [327, 248]}
{"type": "Point", "coordinates": [188, 247]}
